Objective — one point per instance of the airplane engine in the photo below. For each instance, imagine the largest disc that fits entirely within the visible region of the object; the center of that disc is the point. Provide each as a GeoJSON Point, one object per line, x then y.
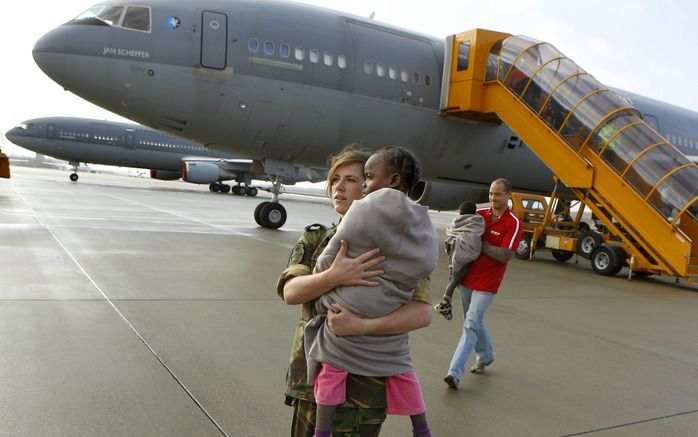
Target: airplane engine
{"type": "Point", "coordinates": [205, 173]}
{"type": "Point", "coordinates": [164, 175]}
{"type": "Point", "coordinates": [445, 197]}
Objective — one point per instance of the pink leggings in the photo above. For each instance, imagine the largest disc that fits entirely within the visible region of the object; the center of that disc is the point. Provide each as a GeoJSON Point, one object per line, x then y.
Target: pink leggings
{"type": "Point", "coordinates": [403, 394]}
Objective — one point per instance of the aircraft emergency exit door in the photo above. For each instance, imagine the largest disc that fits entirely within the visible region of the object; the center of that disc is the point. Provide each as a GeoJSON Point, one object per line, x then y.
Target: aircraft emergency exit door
{"type": "Point", "coordinates": [214, 40]}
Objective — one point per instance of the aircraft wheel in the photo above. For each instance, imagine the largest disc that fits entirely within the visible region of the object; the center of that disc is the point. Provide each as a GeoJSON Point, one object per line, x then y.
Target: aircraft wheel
{"type": "Point", "coordinates": [257, 213]}
{"type": "Point", "coordinates": [607, 260]}
{"type": "Point", "coordinates": [252, 191]}
{"type": "Point", "coordinates": [562, 255]}
{"type": "Point", "coordinates": [243, 191]}
{"type": "Point", "coordinates": [74, 177]}
{"type": "Point", "coordinates": [212, 187]}
{"type": "Point", "coordinates": [216, 188]}
{"type": "Point", "coordinates": [272, 215]}
{"type": "Point", "coordinates": [587, 241]}
{"type": "Point", "coordinates": [523, 251]}
{"type": "Point", "coordinates": [225, 188]}
{"type": "Point", "coordinates": [236, 190]}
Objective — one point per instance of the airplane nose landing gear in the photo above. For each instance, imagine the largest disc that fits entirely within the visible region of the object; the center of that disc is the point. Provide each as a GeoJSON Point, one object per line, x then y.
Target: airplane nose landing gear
{"type": "Point", "coordinates": [74, 175]}
{"type": "Point", "coordinates": [271, 215]}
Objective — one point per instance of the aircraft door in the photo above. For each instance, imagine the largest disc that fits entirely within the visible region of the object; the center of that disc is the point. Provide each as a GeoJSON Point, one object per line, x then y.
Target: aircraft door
{"type": "Point", "coordinates": [130, 140]}
{"type": "Point", "coordinates": [50, 131]}
{"type": "Point", "coordinates": [214, 40]}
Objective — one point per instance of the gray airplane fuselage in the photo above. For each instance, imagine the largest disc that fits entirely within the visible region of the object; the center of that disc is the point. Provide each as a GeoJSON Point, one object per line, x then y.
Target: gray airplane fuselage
{"type": "Point", "coordinates": [109, 143]}
{"type": "Point", "coordinates": [226, 74]}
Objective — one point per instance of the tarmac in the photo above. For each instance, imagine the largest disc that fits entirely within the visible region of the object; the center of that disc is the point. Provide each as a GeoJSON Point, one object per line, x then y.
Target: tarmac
{"type": "Point", "coordinates": [136, 307]}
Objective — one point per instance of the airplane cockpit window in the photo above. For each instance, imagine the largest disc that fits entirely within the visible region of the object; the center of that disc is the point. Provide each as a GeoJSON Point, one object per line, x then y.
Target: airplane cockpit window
{"type": "Point", "coordinates": [26, 126]}
{"type": "Point", "coordinates": [138, 18]}
{"type": "Point", "coordinates": [131, 17]}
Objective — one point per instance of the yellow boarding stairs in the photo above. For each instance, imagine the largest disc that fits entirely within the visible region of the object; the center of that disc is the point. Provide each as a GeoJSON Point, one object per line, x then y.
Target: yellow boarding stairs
{"type": "Point", "coordinates": [642, 187]}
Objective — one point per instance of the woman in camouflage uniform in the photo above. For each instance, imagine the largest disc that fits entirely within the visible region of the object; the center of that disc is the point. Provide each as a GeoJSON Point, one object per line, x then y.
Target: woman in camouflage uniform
{"type": "Point", "coordinates": [364, 411]}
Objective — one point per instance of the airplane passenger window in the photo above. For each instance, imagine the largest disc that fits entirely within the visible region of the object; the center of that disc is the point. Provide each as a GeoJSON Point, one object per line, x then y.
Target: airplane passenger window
{"type": "Point", "coordinates": [253, 45]}
{"type": "Point", "coordinates": [111, 15]}
{"type": "Point", "coordinates": [138, 18]}
{"type": "Point", "coordinates": [300, 53]}
{"type": "Point", "coordinates": [328, 59]}
{"type": "Point", "coordinates": [427, 80]}
{"type": "Point", "coordinates": [415, 78]}
{"type": "Point", "coordinates": [314, 56]}
{"type": "Point", "coordinates": [342, 61]}
{"type": "Point", "coordinates": [380, 70]}
{"type": "Point", "coordinates": [404, 76]}
{"type": "Point", "coordinates": [392, 73]}
{"type": "Point", "coordinates": [268, 48]}
{"type": "Point", "coordinates": [284, 50]}
{"type": "Point", "coordinates": [368, 67]}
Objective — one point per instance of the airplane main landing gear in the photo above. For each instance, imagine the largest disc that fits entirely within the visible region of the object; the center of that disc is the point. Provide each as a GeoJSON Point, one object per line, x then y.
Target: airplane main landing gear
{"type": "Point", "coordinates": [244, 190]}
{"type": "Point", "coordinates": [217, 187]}
{"type": "Point", "coordinates": [74, 175]}
{"type": "Point", "coordinates": [271, 215]}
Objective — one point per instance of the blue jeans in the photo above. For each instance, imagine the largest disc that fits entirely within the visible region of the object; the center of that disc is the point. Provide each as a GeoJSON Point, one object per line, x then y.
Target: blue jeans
{"type": "Point", "coordinates": [475, 335]}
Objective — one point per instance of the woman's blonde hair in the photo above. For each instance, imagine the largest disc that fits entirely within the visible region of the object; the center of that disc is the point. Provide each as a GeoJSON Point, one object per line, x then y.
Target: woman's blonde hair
{"type": "Point", "coordinates": [351, 154]}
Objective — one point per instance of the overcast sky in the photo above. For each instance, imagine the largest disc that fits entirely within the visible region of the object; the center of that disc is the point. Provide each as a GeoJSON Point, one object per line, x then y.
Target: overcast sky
{"type": "Point", "coordinates": [642, 46]}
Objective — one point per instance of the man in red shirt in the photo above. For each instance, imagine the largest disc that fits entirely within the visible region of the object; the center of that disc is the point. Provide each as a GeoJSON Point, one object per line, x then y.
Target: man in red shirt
{"type": "Point", "coordinates": [503, 231]}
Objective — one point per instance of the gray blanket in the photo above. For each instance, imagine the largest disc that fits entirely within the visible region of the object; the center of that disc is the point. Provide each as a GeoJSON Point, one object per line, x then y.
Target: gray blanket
{"type": "Point", "coordinates": [403, 231]}
{"type": "Point", "coordinates": [464, 240]}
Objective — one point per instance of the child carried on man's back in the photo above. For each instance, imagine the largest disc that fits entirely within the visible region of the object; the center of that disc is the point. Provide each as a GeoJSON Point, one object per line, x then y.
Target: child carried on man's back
{"type": "Point", "coordinates": [463, 246]}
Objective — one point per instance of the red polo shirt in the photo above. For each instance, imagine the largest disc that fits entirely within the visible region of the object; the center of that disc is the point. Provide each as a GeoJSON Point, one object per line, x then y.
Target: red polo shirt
{"type": "Point", "coordinates": [486, 273]}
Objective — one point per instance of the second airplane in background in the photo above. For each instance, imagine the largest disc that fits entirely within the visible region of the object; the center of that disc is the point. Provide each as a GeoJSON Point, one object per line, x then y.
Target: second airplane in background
{"type": "Point", "coordinates": [168, 157]}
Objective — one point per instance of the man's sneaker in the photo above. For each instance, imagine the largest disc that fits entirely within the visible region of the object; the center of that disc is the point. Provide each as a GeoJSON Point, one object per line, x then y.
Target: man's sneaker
{"type": "Point", "coordinates": [479, 367]}
{"type": "Point", "coordinates": [444, 308]}
{"type": "Point", "coordinates": [451, 381]}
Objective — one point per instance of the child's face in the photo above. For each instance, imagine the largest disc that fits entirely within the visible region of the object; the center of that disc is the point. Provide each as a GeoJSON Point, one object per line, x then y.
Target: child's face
{"type": "Point", "coordinates": [378, 176]}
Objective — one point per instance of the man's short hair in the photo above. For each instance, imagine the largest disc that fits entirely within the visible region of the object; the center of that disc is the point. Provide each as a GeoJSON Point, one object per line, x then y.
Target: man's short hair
{"type": "Point", "coordinates": [505, 183]}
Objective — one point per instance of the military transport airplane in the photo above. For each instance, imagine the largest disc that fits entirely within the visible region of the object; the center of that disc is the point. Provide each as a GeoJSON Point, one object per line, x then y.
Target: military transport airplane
{"type": "Point", "coordinates": [286, 83]}
{"type": "Point", "coordinates": [128, 145]}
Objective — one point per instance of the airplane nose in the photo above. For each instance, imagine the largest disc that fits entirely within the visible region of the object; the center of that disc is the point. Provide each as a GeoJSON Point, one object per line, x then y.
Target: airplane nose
{"type": "Point", "coordinates": [49, 54]}
{"type": "Point", "coordinates": [12, 133]}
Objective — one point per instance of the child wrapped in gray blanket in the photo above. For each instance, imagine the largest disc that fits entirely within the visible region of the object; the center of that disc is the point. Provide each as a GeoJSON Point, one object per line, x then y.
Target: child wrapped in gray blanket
{"type": "Point", "coordinates": [463, 246]}
{"type": "Point", "coordinates": [403, 231]}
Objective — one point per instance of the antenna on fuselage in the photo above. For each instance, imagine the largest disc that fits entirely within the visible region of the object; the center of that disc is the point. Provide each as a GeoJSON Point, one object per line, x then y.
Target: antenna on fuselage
{"type": "Point", "coordinates": [373, 14]}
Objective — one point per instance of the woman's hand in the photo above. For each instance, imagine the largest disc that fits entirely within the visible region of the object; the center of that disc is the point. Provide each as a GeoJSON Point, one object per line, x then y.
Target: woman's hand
{"type": "Point", "coordinates": [354, 271]}
{"type": "Point", "coordinates": [343, 322]}
{"type": "Point", "coordinates": [412, 315]}
{"type": "Point", "coordinates": [342, 271]}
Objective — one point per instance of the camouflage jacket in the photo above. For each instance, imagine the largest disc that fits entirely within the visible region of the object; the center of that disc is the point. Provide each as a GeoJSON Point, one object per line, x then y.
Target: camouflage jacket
{"type": "Point", "coordinates": [362, 391]}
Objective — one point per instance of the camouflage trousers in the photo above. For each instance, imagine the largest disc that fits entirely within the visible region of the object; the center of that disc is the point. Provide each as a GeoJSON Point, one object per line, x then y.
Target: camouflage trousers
{"type": "Point", "coordinates": [346, 422]}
